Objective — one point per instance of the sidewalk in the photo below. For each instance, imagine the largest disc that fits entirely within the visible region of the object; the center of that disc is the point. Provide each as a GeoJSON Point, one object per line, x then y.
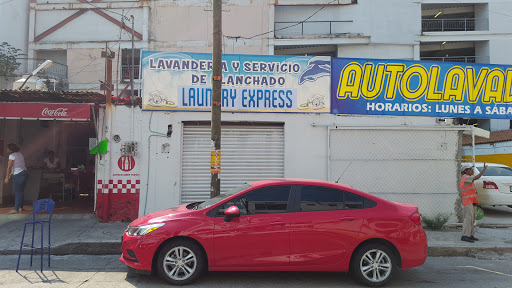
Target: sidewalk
{"type": "Point", "coordinates": [84, 234]}
{"type": "Point", "coordinates": [70, 234]}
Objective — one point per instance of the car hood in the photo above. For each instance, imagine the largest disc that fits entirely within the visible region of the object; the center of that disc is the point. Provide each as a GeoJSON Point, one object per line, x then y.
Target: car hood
{"type": "Point", "coordinates": [163, 215]}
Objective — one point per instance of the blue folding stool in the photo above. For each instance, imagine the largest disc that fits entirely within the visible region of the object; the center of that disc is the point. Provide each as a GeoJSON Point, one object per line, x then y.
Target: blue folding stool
{"type": "Point", "coordinates": [39, 205]}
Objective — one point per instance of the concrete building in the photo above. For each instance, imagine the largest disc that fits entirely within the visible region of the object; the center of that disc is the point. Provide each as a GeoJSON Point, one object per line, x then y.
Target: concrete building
{"type": "Point", "coordinates": [74, 33]}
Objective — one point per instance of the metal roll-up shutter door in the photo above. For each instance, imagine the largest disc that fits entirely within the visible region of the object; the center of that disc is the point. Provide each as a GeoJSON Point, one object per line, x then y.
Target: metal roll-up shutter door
{"type": "Point", "coordinates": [248, 153]}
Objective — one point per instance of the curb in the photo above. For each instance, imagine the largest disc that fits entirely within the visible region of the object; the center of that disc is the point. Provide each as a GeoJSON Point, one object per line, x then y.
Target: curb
{"type": "Point", "coordinates": [84, 248]}
{"type": "Point", "coordinates": [479, 225]}
{"type": "Point", "coordinates": [464, 251]}
{"type": "Point", "coordinates": [29, 216]}
{"type": "Point", "coordinates": [114, 248]}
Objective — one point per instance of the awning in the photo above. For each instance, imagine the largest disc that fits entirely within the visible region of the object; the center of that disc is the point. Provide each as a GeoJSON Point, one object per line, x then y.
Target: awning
{"type": "Point", "coordinates": [45, 111]}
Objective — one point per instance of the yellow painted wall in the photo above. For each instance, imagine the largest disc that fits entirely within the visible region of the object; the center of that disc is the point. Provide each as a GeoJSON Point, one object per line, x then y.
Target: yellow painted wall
{"type": "Point", "coordinates": [505, 159]}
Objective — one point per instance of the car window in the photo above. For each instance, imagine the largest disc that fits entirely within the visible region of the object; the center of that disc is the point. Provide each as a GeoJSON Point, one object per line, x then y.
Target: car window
{"type": "Point", "coordinates": [265, 200]}
{"type": "Point", "coordinates": [223, 196]}
{"type": "Point", "coordinates": [318, 198]}
{"type": "Point", "coordinates": [238, 202]}
{"type": "Point", "coordinates": [496, 171]}
{"type": "Point", "coordinates": [354, 201]}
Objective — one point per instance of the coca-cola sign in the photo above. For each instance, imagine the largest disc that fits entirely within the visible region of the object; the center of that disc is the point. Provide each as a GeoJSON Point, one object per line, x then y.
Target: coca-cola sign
{"type": "Point", "coordinates": [27, 110]}
{"type": "Point", "coordinates": [59, 112]}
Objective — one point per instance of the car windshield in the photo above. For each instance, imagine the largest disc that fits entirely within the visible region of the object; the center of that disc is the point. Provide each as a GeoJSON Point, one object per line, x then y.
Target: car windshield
{"type": "Point", "coordinates": [223, 196]}
{"type": "Point", "coordinates": [496, 171]}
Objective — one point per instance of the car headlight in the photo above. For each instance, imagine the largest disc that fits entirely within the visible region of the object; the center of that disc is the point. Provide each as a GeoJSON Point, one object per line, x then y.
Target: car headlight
{"type": "Point", "coordinates": [143, 230]}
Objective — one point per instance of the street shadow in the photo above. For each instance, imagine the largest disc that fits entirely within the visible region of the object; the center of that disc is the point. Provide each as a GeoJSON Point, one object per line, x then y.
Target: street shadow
{"type": "Point", "coordinates": [67, 263]}
{"type": "Point", "coordinates": [498, 215]}
{"type": "Point", "coordinates": [402, 278]}
{"type": "Point", "coordinates": [45, 277]}
{"type": "Point", "coordinates": [244, 278]}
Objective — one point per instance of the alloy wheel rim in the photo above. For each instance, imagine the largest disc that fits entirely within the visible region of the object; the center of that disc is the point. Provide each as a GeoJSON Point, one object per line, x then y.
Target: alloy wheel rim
{"type": "Point", "coordinates": [375, 265]}
{"type": "Point", "coordinates": [180, 263]}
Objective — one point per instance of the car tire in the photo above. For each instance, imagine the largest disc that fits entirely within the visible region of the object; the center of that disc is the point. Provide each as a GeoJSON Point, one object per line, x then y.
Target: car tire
{"type": "Point", "coordinates": [180, 262]}
{"type": "Point", "coordinates": [509, 206]}
{"type": "Point", "coordinates": [373, 265]}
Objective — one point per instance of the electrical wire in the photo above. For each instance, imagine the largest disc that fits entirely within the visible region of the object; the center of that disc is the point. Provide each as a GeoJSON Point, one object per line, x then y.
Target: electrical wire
{"type": "Point", "coordinates": [106, 10]}
{"type": "Point", "coordinates": [94, 58]}
{"type": "Point", "coordinates": [130, 8]}
{"type": "Point", "coordinates": [84, 68]}
{"type": "Point", "coordinates": [483, 9]}
{"type": "Point", "coordinates": [6, 2]}
{"type": "Point", "coordinates": [81, 67]}
{"type": "Point", "coordinates": [275, 30]}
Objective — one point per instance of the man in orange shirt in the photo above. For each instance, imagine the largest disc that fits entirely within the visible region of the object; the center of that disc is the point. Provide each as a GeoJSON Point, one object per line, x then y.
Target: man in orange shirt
{"type": "Point", "coordinates": [469, 201]}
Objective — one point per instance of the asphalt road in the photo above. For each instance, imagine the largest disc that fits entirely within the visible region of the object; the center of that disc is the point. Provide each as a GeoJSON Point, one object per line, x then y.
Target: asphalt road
{"type": "Point", "coordinates": [484, 270]}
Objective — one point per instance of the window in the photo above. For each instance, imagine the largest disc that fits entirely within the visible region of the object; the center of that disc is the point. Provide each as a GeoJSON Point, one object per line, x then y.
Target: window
{"type": "Point", "coordinates": [222, 196]}
{"type": "Point", "coordinates": [238, 202]}
{"type": "Point", "coordinates": [126, 63]}
{"type": "Point", "coordinates": [354, 201]}
{"type": "Point", "coordinates": [496, 171]}
{"type": "Point", "coordinates": [317, 198]}
{"type": "Point", "coordinates": [266, 200]}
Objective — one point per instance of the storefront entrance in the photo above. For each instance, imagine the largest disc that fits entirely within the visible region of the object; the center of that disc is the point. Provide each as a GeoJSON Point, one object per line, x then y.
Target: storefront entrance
{"type": "Point", "coordinates": [56, 148]}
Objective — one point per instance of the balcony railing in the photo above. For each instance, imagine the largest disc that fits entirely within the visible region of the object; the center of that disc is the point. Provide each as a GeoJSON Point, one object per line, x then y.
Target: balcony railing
{"type": "Point", "coordinates": [125, 72]}
{"type": "Point", "coordinates": [56, 71]}
{"type": "Point", "coordinates": [463, 59]}
{"type": "Point", "coordinates": [464, 24]}
{"type": "Point", "coordinates": [309, 28]}
{"type": "Point", "coordinates": [55, 76]}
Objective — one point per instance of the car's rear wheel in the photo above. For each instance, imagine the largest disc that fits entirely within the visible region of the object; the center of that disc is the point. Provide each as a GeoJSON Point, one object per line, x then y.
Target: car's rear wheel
{"type": "Point", "coordinates": [373, 265]}
{"type": "Point", "coordinates": [180, 262]}
{"type": "Point", "coordinates": [509, 206]}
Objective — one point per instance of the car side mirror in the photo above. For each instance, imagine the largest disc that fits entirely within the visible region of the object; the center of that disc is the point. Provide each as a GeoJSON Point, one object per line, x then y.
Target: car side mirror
{"type": "Point", "coordinates": [231, 213]}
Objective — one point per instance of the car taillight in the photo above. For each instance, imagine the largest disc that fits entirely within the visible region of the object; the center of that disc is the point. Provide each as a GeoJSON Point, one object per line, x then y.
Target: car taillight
{"type": "Point", "coordinates": [416, 218]}
{"type": "Point", "coordinates": [490, 185]}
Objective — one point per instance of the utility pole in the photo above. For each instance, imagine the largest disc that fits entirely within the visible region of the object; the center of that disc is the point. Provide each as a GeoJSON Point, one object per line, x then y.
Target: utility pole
{"type": "Point", "coordinates": [107, 86]}
{"type": "Point", "coordinates": [216, 99]}
{"type": "Point", "coordinates": [132, 72]}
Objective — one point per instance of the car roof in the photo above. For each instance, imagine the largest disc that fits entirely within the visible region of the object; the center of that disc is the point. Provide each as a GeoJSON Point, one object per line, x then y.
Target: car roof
{"type": "Point", "coordinates": [298, 181]}
{"type": "Point", "coordinates": [301, 181]}
{"type": "Point", "coordinates": [490, 164]}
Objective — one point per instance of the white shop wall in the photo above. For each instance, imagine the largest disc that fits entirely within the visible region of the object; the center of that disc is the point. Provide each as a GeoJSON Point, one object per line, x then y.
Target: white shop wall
{"type": "Point", "coordinates": [417, 166]}
{"type": "Point", "coordinates": [305, 151]}
{"type": "Point", "coordinates": [165, 173]}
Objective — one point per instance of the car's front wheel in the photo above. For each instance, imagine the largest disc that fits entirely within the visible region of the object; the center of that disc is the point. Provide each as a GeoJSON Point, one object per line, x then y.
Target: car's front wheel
{"type": "Point", "coordinates": [180, 262]}
{"type": "Point", "coordinates": [373, 265]}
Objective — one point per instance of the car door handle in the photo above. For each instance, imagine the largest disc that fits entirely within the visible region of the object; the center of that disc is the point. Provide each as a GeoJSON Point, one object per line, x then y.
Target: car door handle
{"type": "Point", "coordinates": [346, 219]}
{"type": "Point", "coordinates": [277, 224]}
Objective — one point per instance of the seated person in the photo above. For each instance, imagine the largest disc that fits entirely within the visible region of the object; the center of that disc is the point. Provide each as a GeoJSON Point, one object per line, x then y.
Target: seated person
{"type": "Point", "coordinates": [51, 162]}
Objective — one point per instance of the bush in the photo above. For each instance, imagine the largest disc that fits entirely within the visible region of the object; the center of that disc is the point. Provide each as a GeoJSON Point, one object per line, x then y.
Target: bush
{"type": "Point", "coordinates": [436, 223]}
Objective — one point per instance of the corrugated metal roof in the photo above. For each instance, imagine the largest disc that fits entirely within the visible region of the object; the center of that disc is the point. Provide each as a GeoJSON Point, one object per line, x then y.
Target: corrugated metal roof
{"type": "Point", "coordinates": [51, 96]}
{"type": "Point", "coordinates": [496, 136]}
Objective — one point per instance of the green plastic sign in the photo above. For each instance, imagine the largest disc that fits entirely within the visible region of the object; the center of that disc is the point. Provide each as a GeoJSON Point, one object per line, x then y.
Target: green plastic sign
{"type": "Point", "coordinates": [479, 213]}
{"type": "Point", "coordinates": [101, 148]}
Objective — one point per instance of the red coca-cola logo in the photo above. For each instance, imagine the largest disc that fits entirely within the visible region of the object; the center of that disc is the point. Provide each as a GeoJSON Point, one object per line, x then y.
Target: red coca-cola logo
{"type": "Point", "coordinates": [126, 163]}
{"type": "Point", "coordinates": [59, 112]}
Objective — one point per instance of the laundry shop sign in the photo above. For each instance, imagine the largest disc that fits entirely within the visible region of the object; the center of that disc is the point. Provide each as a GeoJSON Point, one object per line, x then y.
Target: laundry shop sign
{"type": "Point", "coordinates": [421, 88]}
{"type": "Point", "coordinates": [250, 83]}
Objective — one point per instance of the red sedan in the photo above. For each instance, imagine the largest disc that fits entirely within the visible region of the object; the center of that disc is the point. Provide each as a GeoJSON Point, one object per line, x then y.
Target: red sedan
{"type": "Point", "coordinates": [279, 225]}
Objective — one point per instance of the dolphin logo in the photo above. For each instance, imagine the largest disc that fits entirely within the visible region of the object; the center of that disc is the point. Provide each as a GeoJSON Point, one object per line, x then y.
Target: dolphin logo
{"type": "Point", "coordinates": [317, 67]}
